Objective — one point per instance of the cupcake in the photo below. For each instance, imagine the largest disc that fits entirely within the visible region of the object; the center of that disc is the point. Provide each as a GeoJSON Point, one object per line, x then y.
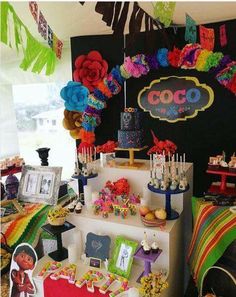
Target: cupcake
{"type": "Point", "coordinates": [154, 247]}
{"type": "Point", "coordinates": [146, 249]}
{"type": "Point", "coordinates": [78, 207]}
{"type": "Point", "coordinates": [71, 206]}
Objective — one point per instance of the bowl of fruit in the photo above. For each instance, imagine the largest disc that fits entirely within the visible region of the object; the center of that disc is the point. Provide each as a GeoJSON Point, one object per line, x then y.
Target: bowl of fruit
{"type": "Point", "coordinates": [152, 218]}
{"type": "Point", "coordinates": [57, 215]}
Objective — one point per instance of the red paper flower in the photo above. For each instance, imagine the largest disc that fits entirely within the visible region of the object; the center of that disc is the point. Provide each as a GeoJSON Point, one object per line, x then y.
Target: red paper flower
{"type": "Point", "coordinates": [174, 57]}
{"type": "Point", "coordinates": [86, 136]}
{"type": "Point", "coordinates": [108, 147]}
{"type": "Point", "coordinates": [160, 146]}
{"type": "Point", "coordinates": [120, 187]}
{"type": "Point", "coordinates": [90, 69]}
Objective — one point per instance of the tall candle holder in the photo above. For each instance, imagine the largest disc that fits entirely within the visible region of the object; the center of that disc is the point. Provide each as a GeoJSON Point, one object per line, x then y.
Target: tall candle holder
{"type": "Point", "coordinates": [43, 155]}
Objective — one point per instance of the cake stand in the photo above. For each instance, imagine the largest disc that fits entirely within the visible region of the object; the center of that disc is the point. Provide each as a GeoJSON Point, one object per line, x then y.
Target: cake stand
{"type": "Point", "coordinates": [222, 188]}
{"type": "Point", "coordinates": [148, 259]}
{"type": "Point", "coordinates": [131, 163]}
{"type": "Point", "coordinates": [171, 213]}
{"type": "Point", "coordinates": [84, 179]}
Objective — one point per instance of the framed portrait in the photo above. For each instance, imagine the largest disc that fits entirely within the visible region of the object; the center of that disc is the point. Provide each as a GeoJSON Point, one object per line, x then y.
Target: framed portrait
{"type": "Point", "coordinates": [11, 210]}
{"type": "Point", "coordinates": [122, 258]}
{"type": "Point", "coordinates": [40, 184]}
{"type": "Point", "coordinates": [94, 262]}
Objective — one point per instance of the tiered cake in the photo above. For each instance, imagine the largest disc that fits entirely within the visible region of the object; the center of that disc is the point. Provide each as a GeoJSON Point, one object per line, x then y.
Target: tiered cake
{"type": "Point", "coordinates": [131, 133]}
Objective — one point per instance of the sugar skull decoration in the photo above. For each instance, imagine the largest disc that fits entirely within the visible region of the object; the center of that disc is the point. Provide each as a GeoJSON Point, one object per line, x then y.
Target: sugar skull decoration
{"type": "Point", "coordinates": [12, 185]}
{"type": "Point", "coordinates": [127, 118]}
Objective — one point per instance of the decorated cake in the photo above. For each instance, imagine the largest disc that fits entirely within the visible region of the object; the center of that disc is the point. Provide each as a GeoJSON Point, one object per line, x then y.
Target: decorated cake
{"type": "Point", "coordinates": [131, 133]}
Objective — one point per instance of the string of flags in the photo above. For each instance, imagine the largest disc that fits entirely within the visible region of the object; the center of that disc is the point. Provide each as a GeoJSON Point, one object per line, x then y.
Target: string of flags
{"type": "Point", "coordinates": [207, 35]}
{"type": "Point", "coordinates": [45, 30]}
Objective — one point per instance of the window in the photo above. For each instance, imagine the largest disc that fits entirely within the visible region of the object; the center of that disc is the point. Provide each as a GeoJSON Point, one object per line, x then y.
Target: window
{"type": "Point", "coordinates": [36, 104]}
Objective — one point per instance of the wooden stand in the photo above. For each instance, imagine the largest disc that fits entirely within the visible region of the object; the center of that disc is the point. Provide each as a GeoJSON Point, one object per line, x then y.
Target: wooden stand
{"type": "Point", "coordinates": [131, 163]}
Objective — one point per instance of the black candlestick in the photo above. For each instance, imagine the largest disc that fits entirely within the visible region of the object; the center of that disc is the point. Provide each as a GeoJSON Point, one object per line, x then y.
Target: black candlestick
{"type": "Point", "coordinates": [43, 155]}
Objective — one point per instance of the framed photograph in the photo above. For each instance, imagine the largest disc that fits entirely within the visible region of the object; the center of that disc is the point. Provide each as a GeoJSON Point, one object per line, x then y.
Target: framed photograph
{"type": "Point", "coordinates": [94, 262]}
{"type": "Point", "coordinates": [40, 184]}
{"type": "Point", "coordinates": [11, 210]}
{"type": "Point", "coordinates": [122, 257]}
{"type": "Point", "coordinates": [97, 246]}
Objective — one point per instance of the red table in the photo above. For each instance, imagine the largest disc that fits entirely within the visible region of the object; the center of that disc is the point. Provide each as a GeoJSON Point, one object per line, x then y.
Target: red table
{"type": "Point", "coordinates": [61, 288]}
{"type": "Point", "coordinates": [223, 189]}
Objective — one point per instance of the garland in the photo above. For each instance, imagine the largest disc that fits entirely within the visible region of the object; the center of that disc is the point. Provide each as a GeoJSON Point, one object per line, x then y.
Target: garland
{"type": "Point", "coordinates": [192, 56]}
{"type": "Point", "coordinates": [35, 54]}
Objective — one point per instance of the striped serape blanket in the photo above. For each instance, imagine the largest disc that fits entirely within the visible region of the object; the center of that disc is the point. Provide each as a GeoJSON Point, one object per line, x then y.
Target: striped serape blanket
{"type": "Point", "coordinates": [28, 228]}
{"type": "Point", "coordinates": [214, 230]}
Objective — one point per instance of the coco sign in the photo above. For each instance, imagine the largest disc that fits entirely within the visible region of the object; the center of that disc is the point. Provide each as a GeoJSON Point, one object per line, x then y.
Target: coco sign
{"type": "Point", "coordinates": [174, 99]}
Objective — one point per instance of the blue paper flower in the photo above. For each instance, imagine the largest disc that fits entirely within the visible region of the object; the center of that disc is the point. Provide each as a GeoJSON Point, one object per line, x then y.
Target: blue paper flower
{"type": "Point", "coordinates": [162, 57]}
{"type": "Point", "coordinates": [75, 96]}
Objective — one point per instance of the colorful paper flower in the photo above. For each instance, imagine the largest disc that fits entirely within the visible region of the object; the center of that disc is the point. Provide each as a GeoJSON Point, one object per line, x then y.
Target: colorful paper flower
{"type": "Point", "coordinates": [90, 69]}
{"type": "Point", "coordinates": [75, 96]}
{"type": "Point", "coordinates": [222, 64]}
{"type": "Point", "coordinates": [201, 60]}
{"type": "Point", "coordinates": [213, 60]}
{"type": "Point", "coordinates": [174, 57]}
{"type": "Point", "coordinates": [152, 61]}
{"type": "Point", "coordinates": [189, 55]}
{"type": "Point", "coordinates": [86, 136]}
{"type": "Point", "coordinates": [162, 57]}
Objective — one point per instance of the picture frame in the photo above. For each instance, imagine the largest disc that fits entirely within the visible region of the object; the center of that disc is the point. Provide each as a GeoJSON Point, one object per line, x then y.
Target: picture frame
{"type": "Point", "coordinates": [11, 210]}
{"type": "Point", "coordinates": [40, 184]}
{"type": "Point", "coordinates": [122, 258]}
{"type": "Point", "coordinates": [95, 262]}
{"type": "Point", "coordinates": [97, 246]}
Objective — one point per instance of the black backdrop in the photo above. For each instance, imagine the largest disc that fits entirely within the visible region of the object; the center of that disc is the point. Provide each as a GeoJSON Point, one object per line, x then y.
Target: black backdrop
{"type": "Point", "coordinates": [206, 135]}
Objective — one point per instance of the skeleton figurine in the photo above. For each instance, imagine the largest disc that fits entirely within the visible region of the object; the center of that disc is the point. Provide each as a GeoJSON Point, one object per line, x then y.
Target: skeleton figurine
{"type": "Point", "coordinates": [152, 179]}
{"type": "Point", "coordinates": [185, 179]}
{"type": "Point", "coordinates": [173, 185]}
{"type": "Point", "coordinates": [177, 175]}
{"type": "Point", "coordinates": [126, 119]}
{"type": "Point", "coordinates": [156, 182]}
{"type": "Point", "coordinates": [76, 171]}
{"type": "Point", "coordinates": [163, 186]}
{"type": "Point", "coordinates": [85, 170]}
{"type": "Point", "coordinates": [182, 186]}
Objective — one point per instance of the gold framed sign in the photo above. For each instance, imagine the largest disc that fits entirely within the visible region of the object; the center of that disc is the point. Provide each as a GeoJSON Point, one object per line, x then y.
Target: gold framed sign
{"type": "Point", "coordinates": [174, 99]}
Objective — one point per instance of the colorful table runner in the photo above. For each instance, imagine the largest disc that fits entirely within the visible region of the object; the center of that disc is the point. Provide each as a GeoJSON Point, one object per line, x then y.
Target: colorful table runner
{"type": "Point", "coordinates": [28, 228]}
{"type": "Point", "coordinates": [214, 230]}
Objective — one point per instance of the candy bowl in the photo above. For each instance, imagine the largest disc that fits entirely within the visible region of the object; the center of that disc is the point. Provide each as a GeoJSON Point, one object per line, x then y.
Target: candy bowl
{"type": "Point", "coordinates": [57, 216]}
